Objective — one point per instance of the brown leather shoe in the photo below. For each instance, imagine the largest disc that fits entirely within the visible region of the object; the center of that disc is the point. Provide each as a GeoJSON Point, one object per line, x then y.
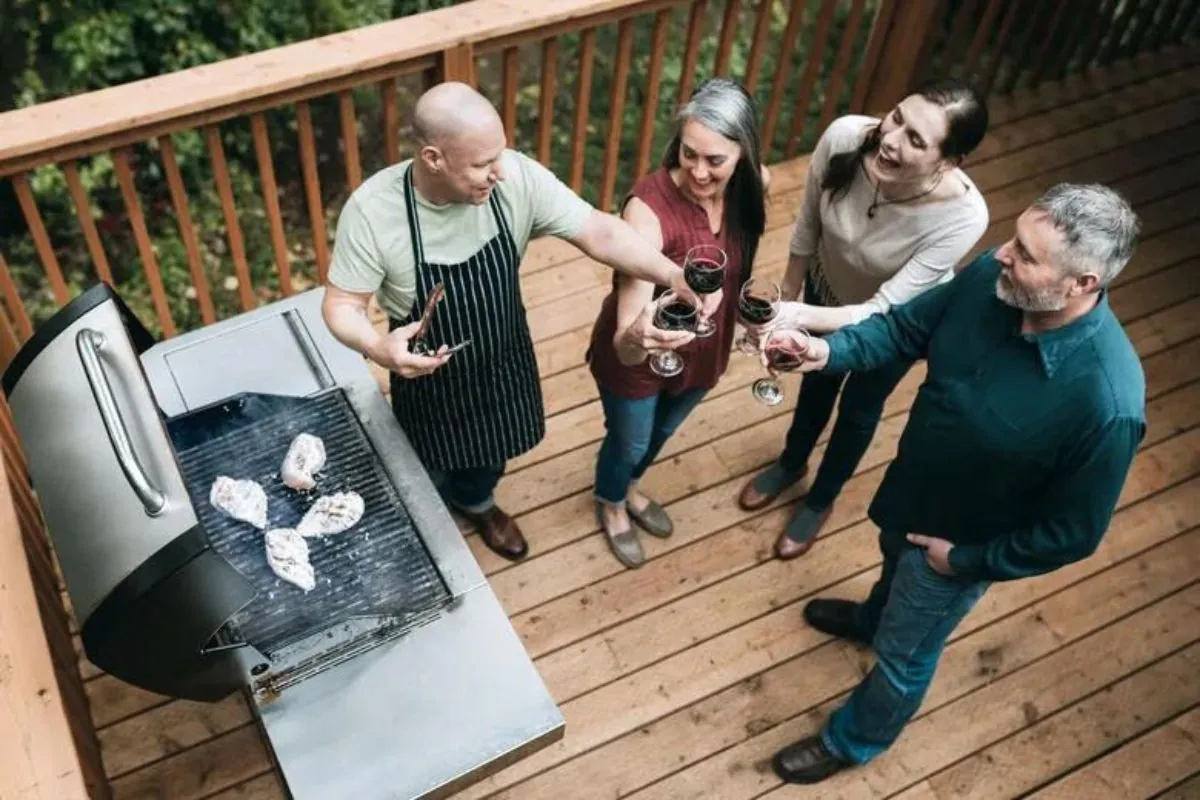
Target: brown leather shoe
{"type": "Point", "coordinates": [801, 532]}
{"type": "Point", "coordinates": [806, 761]}
{"type": "Point", "coordinates": [764, 487]}
{"type": "Point", "coordinates": [500, 533]}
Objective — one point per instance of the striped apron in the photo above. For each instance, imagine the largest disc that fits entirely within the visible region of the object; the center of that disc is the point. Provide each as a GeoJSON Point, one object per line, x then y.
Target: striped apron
{"type": "Point", "coordinates": [484, 406]}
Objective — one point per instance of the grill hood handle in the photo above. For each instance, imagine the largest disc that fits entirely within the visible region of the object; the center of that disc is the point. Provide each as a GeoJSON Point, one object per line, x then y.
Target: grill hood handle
{"type": "Point", "coordinates": [90, 343]}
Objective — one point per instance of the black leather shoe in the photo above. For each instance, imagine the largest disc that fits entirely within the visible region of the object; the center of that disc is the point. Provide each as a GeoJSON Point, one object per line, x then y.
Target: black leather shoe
{"type": "Point", "coordinates": [837, 618]}
{"type": "Point", "coordinates": [806, 761]}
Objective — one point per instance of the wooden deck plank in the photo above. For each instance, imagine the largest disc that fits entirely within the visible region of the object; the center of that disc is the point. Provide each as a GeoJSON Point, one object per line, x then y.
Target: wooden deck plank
{"type": "Point", "coordinates": [1188, 789]}
{"type": "Point", "coordinates": [1150, 764]}
{"type": "Point", "coordinates": [679, 679]}
{"type": "Point", "coordinates": [641, 697]}
{"type": "Point", "coordinates": [1059, 744]}
{"type": "Point", "coordinates": [1135, 530]}
{"type": "Point", "coordinates": [1160, 629]}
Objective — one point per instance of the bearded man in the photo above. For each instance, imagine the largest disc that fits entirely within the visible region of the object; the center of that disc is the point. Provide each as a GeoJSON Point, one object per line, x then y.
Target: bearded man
{"type": "Point", "coordinates": [1013, 459]}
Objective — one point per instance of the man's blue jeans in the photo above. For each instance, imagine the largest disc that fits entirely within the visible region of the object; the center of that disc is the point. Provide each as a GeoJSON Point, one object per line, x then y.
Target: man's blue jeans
{"type": "Point", "coordinates": [911, 611]}
{"type": "Point", "coordinates": [469, 490]}
{"type": "Point", "coordinates": [636, 432]}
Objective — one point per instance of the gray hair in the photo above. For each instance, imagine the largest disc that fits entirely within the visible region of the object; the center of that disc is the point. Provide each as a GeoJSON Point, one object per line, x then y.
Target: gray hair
{"type": "Point", "coordinates": [725, 107]}
{"type": "Point", "coordinates": [1098, 225]}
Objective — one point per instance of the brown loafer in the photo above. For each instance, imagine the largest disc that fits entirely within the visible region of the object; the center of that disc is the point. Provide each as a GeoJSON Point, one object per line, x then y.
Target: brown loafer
{"type": "Point", "coordinates": [801, 532]}
{"type": "Point", "coordinates": [500, 533]}
{"type": "Point", "coordinates": [806, 761]}
{"type": "Point", "coordinates": [764, 487]}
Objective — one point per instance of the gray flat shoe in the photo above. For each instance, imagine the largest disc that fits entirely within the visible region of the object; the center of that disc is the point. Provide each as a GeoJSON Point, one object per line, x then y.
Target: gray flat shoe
{"type": "Point", "coordinates": [763, 488]}
{"type": "Point", "coordinates": [653, 519]}
{"type": "Point", "coordinates": [624, 544]}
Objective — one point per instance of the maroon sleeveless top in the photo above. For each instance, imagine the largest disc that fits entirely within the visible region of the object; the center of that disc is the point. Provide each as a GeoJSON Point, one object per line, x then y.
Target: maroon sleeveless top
{"type": "Point", "coordinates": [684, 225]}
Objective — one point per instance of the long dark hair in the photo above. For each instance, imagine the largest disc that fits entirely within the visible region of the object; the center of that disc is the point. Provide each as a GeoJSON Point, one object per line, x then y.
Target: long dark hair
{"type": "Point", "coordinates": [966, 124]}
{"type": "Point", "coordinates": [724, 106]}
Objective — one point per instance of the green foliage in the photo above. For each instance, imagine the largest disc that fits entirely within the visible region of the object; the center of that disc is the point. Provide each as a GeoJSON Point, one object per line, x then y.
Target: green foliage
{"type": "Point", "coordinates": [61, 48]}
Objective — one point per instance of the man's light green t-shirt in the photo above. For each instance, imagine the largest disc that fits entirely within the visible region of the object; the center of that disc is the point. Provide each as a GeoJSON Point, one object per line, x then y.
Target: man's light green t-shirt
{"type": "Point", "coordinates": [373, 249]}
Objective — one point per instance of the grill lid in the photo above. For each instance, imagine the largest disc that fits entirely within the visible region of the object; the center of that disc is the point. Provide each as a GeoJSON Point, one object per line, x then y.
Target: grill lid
{"type": "Point", "coordinates": [148, 590]}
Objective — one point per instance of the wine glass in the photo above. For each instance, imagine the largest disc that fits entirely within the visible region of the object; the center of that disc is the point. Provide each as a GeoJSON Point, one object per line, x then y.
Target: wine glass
{"type": "Point", "coordinates": [783, 355]}
{"type": "Point", "coordinates": [671, 314]}
{"type": "Point", "coordinates": [758, 306]}
{"type": "Point", "coordinates": [704, 272]}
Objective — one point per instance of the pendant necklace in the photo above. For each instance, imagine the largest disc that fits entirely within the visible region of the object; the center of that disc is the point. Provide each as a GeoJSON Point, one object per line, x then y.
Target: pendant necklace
{"type": "Point", "coordinates": [876, 202]}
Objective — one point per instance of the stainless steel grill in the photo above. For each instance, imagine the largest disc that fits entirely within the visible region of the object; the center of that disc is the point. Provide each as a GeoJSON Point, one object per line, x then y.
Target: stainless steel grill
{"type": "Point", "coordinates": [397, 677]}
{"type": "Point", "coordinates": [374, 582]}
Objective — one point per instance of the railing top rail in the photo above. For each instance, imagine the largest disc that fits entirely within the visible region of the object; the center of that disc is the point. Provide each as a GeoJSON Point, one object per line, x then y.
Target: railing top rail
{"type": "Point", "coordinates": [186, 93]}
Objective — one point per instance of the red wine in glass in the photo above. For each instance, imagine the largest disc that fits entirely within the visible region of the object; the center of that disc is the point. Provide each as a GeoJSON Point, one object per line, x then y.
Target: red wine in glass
{"type": "Point", "coordinates": [671, 315]}
{"type": "Point", "coordinates": [758, 306]}
{"type": "Point", "coordinates": [782, 354]}
{"type": "Point", "coordinates": [704, 273]}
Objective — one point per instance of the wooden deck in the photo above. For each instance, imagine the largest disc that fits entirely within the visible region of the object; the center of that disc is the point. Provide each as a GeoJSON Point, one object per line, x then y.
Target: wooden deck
{"type": "Point", "coordinates": [679, 680]}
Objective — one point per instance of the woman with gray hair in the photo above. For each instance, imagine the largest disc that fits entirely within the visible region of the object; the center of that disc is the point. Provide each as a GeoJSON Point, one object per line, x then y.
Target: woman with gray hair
{"type": "Point", "coordinates": [708, 195]}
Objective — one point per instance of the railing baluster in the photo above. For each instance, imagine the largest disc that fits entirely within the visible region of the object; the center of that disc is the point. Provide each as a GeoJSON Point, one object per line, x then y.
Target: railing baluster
{"type": "Point", "coordinates": [1158, 37]}
{"type": "Point", "coordinates": [583, 91]}
{"type": "Point", "coordinates": [616, 112]}
{"type": "Point", "coordinates": [1105, 15]}
{"type": "Point", "coordinates": [83, 210]}
{"type": "Point", "coordinates": [1117, 31]}
{"type": "Point", "coordinates": [782, 74]}
{"type": "Point", "coordinates": [391, 120]}
{"type": "Point", "coordinates": [957, 41]}
{"type": "Point", "coordinates": [1040, 61]}
{"type": "Point", "coordinates": [1023, 50]}
{"type": "Point", "coordinates": [11, 443]}
{"type": "Point", "coordinates": [1142, 26]}
{"type": "Point", "coordinates": [812, 71]}
{"type": "Point", "coordinates": [350, 138]}
{"type": "Point", "coordinates": [841, 65]}
{"type": "Point", "coordinates": [1002, 40]}
{"type": "Point", "coordinates": [729, 26]}
{"type": "Point", "coordinates": [687, 74]}
{"type": "Point", "coordinates": [233, 228]}
{"type": "Point", "coordinates": [187, 229]}
{"type": "Point", "coordinates": [141, 236]}
{"type": "Point", "coordinates": [754, 61]}
{"type": "Point", "coordinates": [266, 170]}
{"type": "Point", "coordinates": [10, 343]}
{"type": "Point", "coordinates": [12, 298]}
{"type": "Point", "coordinates": [312, 188]}
{"type": "Point", "coordinates": [979, 42]}
{"type": "Point", "coordinates": [509, 102]}
{"type": "Point", "coordinates": [879, 32]}
{"type": "Point", "coordinates": [658, 42]}
{"type": "Point", "coordinates": [546, 98]}
{"type": "Point", "coordinates": [1186, 20]}
{"type": "Point", "coordinates": [41, 239]}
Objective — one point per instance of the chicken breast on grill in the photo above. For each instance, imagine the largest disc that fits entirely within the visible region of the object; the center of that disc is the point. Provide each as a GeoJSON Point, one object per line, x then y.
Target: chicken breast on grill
{"type": "Point", "coordinates": [287, 555]}
{"type": "Point", "coordinates": [241, 499]}
{"type": "Point", "coordinates": [303, 461]}
{"type": "Point", "coordinates": [333, 513]}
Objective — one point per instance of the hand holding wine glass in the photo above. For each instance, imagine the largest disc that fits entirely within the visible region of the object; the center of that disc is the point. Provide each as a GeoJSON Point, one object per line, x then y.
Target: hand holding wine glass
{"type": "Point", "coordinates": [643, 334]}
{"type": "Point", "coordinates": [671, 315]}
{"type": "Point", "coordinates": [810, 353]}
{"type": "Point", "coordinates": [704, 272]}
{"type": "Point", "coordinates": [758, 311]}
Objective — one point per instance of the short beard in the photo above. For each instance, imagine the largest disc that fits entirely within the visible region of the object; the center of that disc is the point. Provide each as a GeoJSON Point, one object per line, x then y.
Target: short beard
{"type": "Point", "coordinates": [1037, 301]}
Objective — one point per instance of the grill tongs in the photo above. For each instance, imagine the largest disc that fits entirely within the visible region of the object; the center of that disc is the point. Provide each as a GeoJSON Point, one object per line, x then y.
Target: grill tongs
{"type": "Point", "coordinates": [418, 345]}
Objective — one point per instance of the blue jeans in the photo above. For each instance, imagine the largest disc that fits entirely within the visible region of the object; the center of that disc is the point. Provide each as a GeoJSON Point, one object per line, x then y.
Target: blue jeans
{"type": "Point", "coordinates": [636, 432]}
{"type": "Point", "coordinates": [859, 411]}
{"type": "Point", "coordinates": [910, 612]}
{"type": "Point", "coordinates": [469, 490]}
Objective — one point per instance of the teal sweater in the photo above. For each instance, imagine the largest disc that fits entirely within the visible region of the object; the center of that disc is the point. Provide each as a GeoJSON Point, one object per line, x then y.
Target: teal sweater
{"type": "Point", "coordinates": [1018, 445]}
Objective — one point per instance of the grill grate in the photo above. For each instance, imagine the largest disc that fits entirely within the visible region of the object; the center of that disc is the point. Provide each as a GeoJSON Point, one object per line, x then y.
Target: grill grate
{"type": "Point", "coordinates": [380, 568]}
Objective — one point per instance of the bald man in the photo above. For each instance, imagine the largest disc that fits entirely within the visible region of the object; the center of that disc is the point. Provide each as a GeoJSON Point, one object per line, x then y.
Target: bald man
{"type": "Point", "coordinates": [460, 215]}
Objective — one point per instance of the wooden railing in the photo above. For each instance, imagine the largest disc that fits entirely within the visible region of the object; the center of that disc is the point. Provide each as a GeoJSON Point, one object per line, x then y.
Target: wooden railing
{"type": "Point", "coordinates": [206, 192]}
